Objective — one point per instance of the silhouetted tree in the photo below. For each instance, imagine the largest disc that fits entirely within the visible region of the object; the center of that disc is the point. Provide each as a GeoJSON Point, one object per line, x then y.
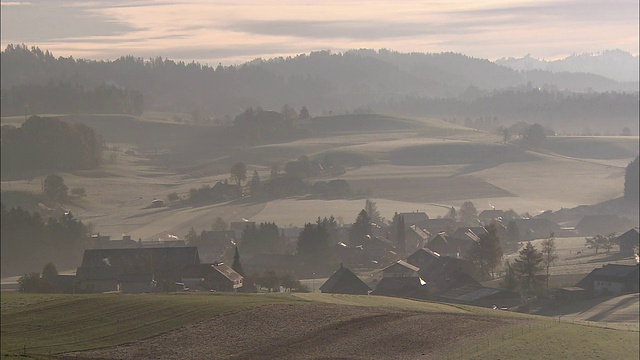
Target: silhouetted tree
{"type": "Point", "coordinates": [631, 181]}
{"type": "Point", "coordinates": [372, 210]}
{"type": "Point", "coordinates": [360, 229]}
{"type": "Point", "coordinates": [527, 268]}
{"type": "Point", "coordinates": [468, 214]}
{"type": "Point", "coordinates": [488, 254]}
{"type": "Point", "coordinates": [236, 265]}
{"type": "Point", "coordinates": [54, 188]}
{"type": "Point", "coordinates": [238, 173]}
{"type": "Point", "coordinates": [549, 254]}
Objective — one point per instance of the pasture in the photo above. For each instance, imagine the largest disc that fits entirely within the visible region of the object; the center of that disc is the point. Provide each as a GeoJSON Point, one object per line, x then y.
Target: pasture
{"type": "Point", "coordinates": [417, 164]}
{"type": "Point", "coordinates": [299, 326]}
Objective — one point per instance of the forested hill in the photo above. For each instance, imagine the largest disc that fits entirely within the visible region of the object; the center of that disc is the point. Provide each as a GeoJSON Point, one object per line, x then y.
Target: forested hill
{"type": "Point", "coordinates": [322, 81]}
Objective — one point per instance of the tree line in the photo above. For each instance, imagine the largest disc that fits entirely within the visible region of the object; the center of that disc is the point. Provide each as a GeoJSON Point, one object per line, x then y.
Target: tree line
{"type": "Point", "coordinates": [49, 144]}
{"type": "Point", "coordinates": [30, 241]}
{"type": "Point", "coordinates": [68, 98]}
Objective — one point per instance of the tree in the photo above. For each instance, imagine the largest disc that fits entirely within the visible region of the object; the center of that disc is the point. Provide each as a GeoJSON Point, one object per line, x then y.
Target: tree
{"type": "Point", "coordinates": [191, 237]}
{"type": "Point", "coordinates": [401, 237]}
{"type": "Point", "coordinates": [269, 280]}
{"type": "Point", "coordinates": [219, 225]}
{"type": "Point", "coordinates": [33, 283]}
{"type": "Point", "coordinates": [549, 255]}
{"type": "Point", "coordinates": [254, 184]}
{"type": "Point", "coordinates": [488, 254]}
{"type": "Point", "coordinates": [513, 233]}
{"type": "Point", "coordinates": [527, 267]}
{"type": "Point", "coordinates": [360, 229]}
{"type": "Point", "coordinates": [632, 182]}
{"type": "Point", "coordinates": [171, 197]}
{"type": "Point", "coordinates": [238, 173]}
{"type": "Point", "coordinates": [452, 214]}
{"type": "Point", "coordinates": [49, 273]}
{"type": "Point", "coordinates": [534, 136]}
{"type": "Point", "coordinates": [304, 114]}
{"type": "Point", "coordinates": [468, 214]}
{"type": "Point", "coordinates": [314, 247]}
{"type": "Point", "coordinates": [372, 210]}
{"type": "Point", "coordinates": [510, 279]}
{"type": "Point", "coordinates": [598, 241]}
{"type": "Point", "coordinates": [54, 187]}
{"type": "Point", "coordinates": [236, 265]}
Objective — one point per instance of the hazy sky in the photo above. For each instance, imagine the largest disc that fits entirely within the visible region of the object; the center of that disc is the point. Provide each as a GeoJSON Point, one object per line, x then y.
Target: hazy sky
{"type": "Point", "coordinates": [212, 31]}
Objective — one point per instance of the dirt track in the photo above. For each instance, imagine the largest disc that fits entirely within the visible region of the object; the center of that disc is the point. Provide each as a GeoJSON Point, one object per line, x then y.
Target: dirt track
{"type": "Point", "coordinates": [312, 331]}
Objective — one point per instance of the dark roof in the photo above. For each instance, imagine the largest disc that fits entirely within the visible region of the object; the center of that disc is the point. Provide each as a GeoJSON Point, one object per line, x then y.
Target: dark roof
{"type": "Point", "coordinates": [631, 236]}
{"type": "Point", "coordinates": [402, 263]}
{"type": "Point", "coordinates": [412, 218]}
{"type": "Point", "coordinates": [154, 256]}
{"type": "Point", "coordinates": [146, 278]}
{"type": "Point", "coordinates": [471, 232]}
{"type": "Point", "coordinates": [491, 214]}
{"type": "Point", "coordinates": [602, 224]}
{"type": "Point", "coordinates": [443, 244]}
{"type": "Point", "coordinates": [343, 281]}
{"type": "Point", "coordinates": [421, 233]}
{"type": "Point", "coordinates": [435, 226]}
{"type": "Point", "coordinates": [610, 272]}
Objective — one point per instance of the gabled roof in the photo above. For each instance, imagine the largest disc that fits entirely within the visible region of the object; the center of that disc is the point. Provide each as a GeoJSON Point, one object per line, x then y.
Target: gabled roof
{"type": "Point", "coordinates": [403, 264]}
{"type": "Point", "coordinates": [444, 244]}
{"type": "Point", "coordinates": [491, 214]}
{"type": "Point", "coordinates": [156, 256]}
{"type": "Point", "coordinates": [227, 271]}
{"type": "Point", "coordinates": [612, 272]}
{"type": "Point", "coordinates": [344, 280]}
{"type": "Point", "coordinates": [421, 233]}
{"type": "Point", "coordinates": [103, 272]}
{"type": "Point", "coordinates": [471, 232]}
{"type": "Point", "coordinates": [412, 218]}
{"type": "Point", "coordinates": [632, 236]}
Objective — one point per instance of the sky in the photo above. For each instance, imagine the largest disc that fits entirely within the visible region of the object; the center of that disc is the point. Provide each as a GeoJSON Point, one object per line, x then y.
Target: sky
{"type": "Point", "coordinates": [233, 32]}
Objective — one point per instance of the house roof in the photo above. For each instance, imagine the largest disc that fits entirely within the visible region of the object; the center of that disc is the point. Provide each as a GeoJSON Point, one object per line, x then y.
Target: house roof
{"type": "Point", "coordinates": [103, 272]}
{"type": "Point", "coordinates": [412, 218]}
{"type": "Point", "coordinates": [227, 271]}
{"type": "Point", "coordinates": [491, 214]}
{"type": "Point", "coordinates": [444, 244]}
{"type": "Point", "coordinates": [631, 236]}
{"type": "Point", "coordinates": [421, 233]}
{"type": "Point", "coordinates": [471, 232]}
{"type": "Point", "coordinates": [342, 278]}
{"type": "Point", "coordinates": [403, 264]}
{"type": "Point", "coordinates": [615, 272]}
{"type": "Point", "coordinates": [157, 256]}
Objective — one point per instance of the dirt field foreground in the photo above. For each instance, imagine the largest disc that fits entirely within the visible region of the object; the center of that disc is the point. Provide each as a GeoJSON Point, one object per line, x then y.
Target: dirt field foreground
{"type": "Point", "coordinates": [312, 331]}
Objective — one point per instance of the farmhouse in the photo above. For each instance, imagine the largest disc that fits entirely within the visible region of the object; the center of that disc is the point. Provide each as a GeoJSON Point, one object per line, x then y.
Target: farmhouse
{"type": "Point", "coordinates": [415, 238]}
{"type": "Point", "coordinates": [103, 269]}
{"type": "Point", "coordinates": [611, 279]}
{"type": "Point", "coordinates": [401, 279]}
{"type": "Point", "coordinates": [343, 281]}
{"type": "Point", "coordinates": [435, 226]}
{"type": "Point", "coordinates": [443, 272]}
{"type": "Point", "coordinates": [628, 242]}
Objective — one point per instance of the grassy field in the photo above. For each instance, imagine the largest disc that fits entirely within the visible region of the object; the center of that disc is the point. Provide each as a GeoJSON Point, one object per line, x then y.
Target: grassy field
{"type": "Point", "coordinates": [54, 324]}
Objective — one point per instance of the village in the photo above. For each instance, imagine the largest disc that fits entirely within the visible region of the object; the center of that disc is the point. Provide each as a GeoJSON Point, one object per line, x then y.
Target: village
{"type": "Point", "coordinates": [427, 259]}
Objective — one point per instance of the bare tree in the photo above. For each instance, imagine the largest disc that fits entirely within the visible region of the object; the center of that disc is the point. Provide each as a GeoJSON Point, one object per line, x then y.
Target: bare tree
{"type": "Point", "coordinates": [549, 254]}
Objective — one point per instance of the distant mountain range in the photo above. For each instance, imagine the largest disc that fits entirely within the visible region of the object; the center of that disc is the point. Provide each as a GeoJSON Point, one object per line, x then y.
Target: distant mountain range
{"type": "Point", "coordinates": [618, 65]}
